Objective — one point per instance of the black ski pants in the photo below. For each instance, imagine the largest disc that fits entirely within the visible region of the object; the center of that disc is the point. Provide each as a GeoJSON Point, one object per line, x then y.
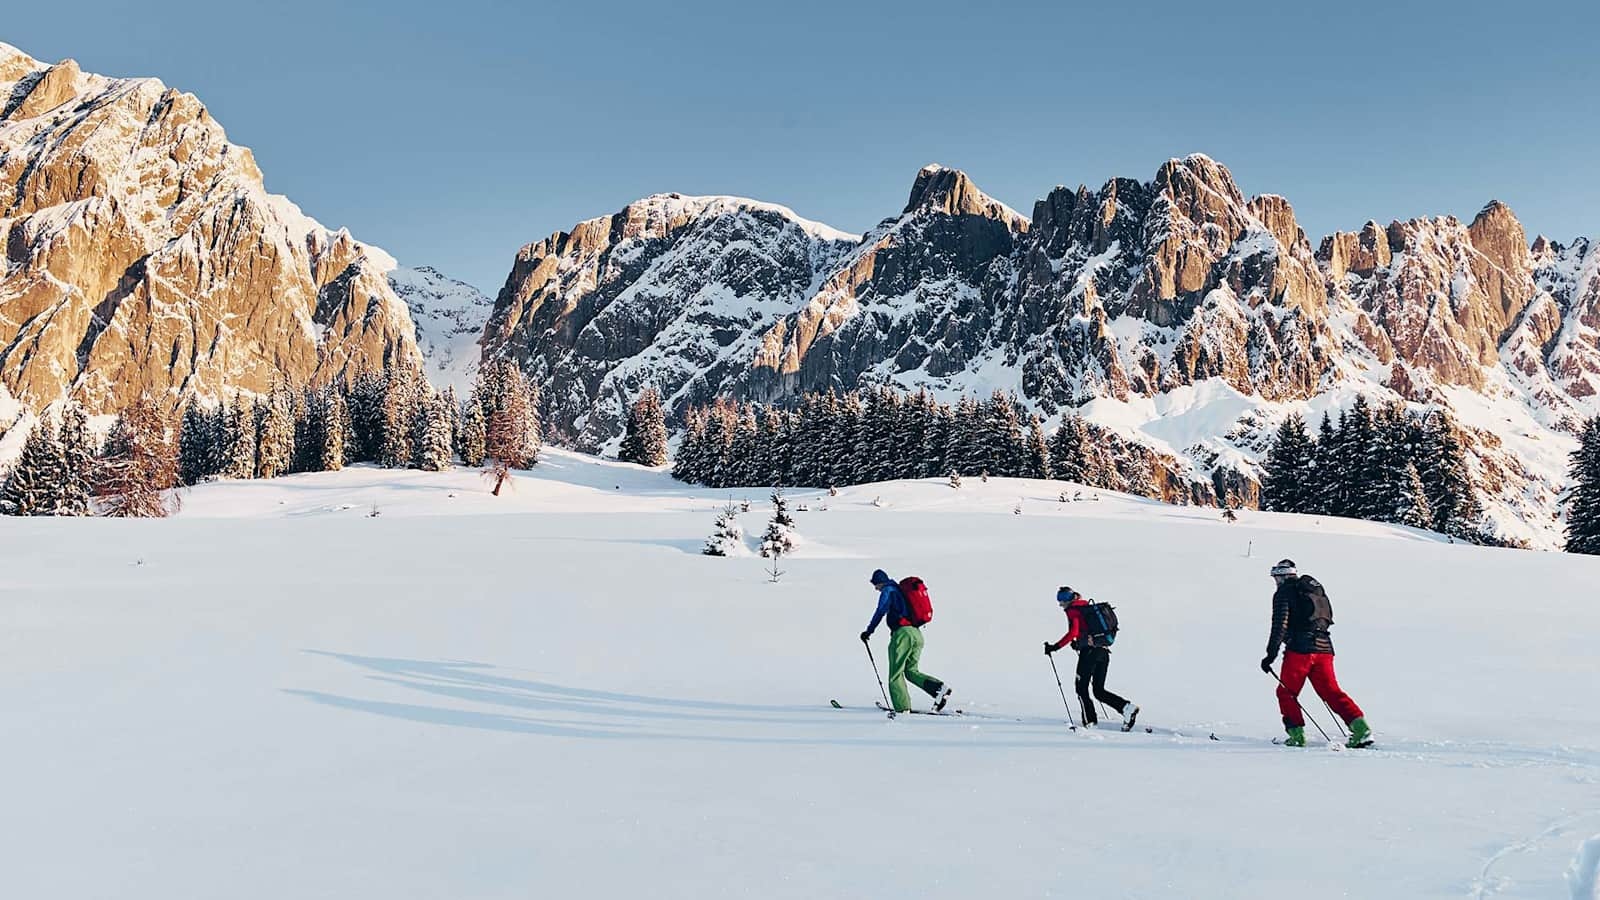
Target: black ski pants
{"type": "Point", "coordinates": [1092, 665]}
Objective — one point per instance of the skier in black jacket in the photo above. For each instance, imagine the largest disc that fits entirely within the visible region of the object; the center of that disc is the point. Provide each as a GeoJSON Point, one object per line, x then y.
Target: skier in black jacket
{"type": "Point", "coordinates": [1301, 616]}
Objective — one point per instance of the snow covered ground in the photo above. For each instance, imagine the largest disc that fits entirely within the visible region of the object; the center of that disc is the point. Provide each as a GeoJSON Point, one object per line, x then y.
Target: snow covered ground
{"type": "Point", "coordinates": [553, 694]}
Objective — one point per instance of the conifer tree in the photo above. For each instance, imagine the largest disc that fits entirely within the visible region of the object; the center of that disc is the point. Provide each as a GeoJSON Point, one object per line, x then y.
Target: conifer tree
{"type": "Point", "coordinates": [77, 457]}
{"type": "Point", "coordinates": [779, 537]}
{"type": "Point", "coordinates": [1326, 480]}
{"type": "Point", "coordinates": [1583, 505]}
{"type": "Point", "coordinates": [430, 434]}
{"type": "Point", "coordinates": [1411, 500]}
{"type": "Point", "coordinates": [139, 465]}
{"type": "Point", "coordinates": [1447, 478]}
{"type": "Point", "coordinates": [275, 433]}
{"type": "Point", "coordinates": [196, 450]}
{"type": "Point", "coordinates": [644, 440]}
{"type": "Point", "coordinates": [1287, 484]}
{"type": "Point", "coordinates": [470, 434]}
{"type": "Point", "coordinates": [689, 465]}
{"type": "Point", "coordinates": [241, 440]}
{"type": "Point", "coordinates": [511, 420]}
{"type": "Point", "coordinates": [364, 397]}
{"type": "Point", "coordinates": [1067, 451]}
{"type": "Point", "coordinates": [728, 535]}
{"type": "Point", "coordinates": [1038, 465]}
{"type": "Point", "coordinates": [333, 424]}
{"type": "Point", "coordinates": [34, 486]}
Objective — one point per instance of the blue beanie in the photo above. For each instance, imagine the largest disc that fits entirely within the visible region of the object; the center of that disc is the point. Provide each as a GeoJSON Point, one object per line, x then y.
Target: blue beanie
{"type": "Point", "coordinates": [880, 578]}
{"type": "Point", "coordinates": [1066, 595]}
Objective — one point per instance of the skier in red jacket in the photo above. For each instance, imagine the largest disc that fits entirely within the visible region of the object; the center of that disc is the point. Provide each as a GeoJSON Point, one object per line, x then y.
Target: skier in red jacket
{"type": "Point", "coordinates": [1301, 617]}
{"type": "Point", "coordinates": [1094, 659]}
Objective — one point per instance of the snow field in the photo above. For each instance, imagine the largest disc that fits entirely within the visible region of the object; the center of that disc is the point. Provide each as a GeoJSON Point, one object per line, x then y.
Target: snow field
{"type": "Point", "coordinates": [552, 692]}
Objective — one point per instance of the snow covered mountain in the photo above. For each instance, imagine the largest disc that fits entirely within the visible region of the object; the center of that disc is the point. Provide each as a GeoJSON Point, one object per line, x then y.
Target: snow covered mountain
{"type": "Point", "coordinates": [144, 255]}
{"type": "Point", "coordinates": [449, 316]}
{"type": "Point", "coordinates": [1176, 311]}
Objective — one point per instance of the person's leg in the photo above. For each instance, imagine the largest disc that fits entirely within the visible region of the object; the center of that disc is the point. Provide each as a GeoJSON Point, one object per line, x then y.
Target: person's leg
{"type": "Point", "coordinates": [928, 683]}
{"type": "Point", "coordinates": [1085, 673]}
{"type": "Point", "coordinates": [1295, 668]}
{"type": "Point", "coordinates": [1102, 665]}
{"type": "Point", "coordinates": [1326, 683]}
{"type": "Point", "coordinates": [901, 649]}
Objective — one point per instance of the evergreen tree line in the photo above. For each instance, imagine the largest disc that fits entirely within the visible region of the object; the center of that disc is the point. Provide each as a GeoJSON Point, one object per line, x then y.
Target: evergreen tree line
{"type": "Point", "coordinates": [832, 439]}
{"type": "Point", "coordinates": [1583, 504]}
{"type": "Point", "coordinates": [1379, 463]}
{"type": "Point", "coordinates": [392, 418]}
{"type": "Point", "coordinates": [61, 468]}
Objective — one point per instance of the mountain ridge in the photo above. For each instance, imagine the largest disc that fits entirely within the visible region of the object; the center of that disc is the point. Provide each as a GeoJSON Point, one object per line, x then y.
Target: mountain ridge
{"type": "Point", "coordinates": [1105, 300]}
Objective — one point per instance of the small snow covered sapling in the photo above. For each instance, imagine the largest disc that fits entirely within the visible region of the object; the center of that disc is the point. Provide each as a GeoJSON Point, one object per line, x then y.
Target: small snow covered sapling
{"type": "Point", "coordinates": [728, 533]}
{"type": "Point", "coordinates": [878, 502]}
{"type": "Point", "coordinates": [955, 480]}
{"type": "Point", "coordinates": [1017, 510]}
{"type": "Point", "coordinates": [1228, 515]}
{"type": "Point", "coordinates": [779, 536]}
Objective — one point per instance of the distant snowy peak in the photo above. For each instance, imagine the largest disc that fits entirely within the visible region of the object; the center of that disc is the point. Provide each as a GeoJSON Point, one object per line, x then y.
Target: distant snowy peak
{"type": "Point", "coordinates": [449, 316]}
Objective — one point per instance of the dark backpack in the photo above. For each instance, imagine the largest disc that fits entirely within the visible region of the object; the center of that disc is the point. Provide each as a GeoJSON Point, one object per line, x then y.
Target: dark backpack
{"type": "Point", "coordinates": [919, 607]}
{"type": "Point", "coordinates": [1309, 608]}
{"type": "Point", "coordinates": [1099, 623]}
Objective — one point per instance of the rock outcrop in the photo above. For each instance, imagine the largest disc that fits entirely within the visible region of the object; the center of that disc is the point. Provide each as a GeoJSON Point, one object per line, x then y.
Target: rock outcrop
{"type": "Point", "coordinates": [142, 255]}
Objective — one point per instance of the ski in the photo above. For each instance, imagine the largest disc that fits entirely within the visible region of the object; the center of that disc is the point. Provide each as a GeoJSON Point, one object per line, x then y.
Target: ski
{"type": "Point", "coordinates": [921, 712]}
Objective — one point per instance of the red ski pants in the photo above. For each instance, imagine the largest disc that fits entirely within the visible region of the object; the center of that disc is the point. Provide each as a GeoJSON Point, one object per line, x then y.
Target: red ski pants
{"type": "Point", "coordinates": [1297, 667]}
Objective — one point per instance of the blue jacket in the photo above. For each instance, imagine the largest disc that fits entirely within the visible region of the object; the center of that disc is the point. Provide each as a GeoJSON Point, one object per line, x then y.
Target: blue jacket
{"type": "Point", "coordinates": [891, 604]}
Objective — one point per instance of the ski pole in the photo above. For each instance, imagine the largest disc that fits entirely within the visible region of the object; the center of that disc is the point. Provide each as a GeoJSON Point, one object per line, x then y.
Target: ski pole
{"type": "Point", "coordinates": [1335, 716]}
{"type": "Point", "coordinates": [875, 674]}
{"type": "Point", "coordinates": [1061, 688]}
{"type": "Point", "coordinates": [1302, 706]}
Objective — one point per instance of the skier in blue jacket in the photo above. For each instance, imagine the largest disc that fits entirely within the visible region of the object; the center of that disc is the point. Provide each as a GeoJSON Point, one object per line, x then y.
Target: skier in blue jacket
{"type": "Point", "coordinates": [905, 646]}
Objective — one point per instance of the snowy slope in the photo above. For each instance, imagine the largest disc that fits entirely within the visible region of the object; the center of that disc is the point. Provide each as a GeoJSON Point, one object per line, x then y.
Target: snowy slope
{"type": "Point", "coordinates": [552, 693]}
{"type": "Point", "coordinates": [449, 316]}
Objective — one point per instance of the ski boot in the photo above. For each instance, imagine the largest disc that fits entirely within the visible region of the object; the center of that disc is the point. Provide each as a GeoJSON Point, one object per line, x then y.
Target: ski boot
{"type": "Point", "coordinates": [941, 700]}
{"type": "Point", "coordinates": [1130, 714]}
{"type": "Point", "coordinates": [1360, 734]}
{"type": "Point", "coordinates": [1297, 736]}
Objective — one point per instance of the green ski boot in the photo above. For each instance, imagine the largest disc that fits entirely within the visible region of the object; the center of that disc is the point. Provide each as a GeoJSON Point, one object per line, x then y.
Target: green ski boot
{"type": "Point", "coordinates": [1297, 736]}
{"type": "Point", "coordinates": [1360, 734]}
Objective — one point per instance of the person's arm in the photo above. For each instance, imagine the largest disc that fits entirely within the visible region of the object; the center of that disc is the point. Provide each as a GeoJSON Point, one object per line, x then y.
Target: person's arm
{"type": "Point", "coordinates": [1280, 621]}
{"type": "Point", "coordinates": [1074, 626]}
{"type": "Point", "coordinates": [883, 609]}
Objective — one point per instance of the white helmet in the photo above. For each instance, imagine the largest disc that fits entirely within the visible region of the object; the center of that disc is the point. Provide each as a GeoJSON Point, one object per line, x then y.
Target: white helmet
{"type": "Point", "coordinates": [1285, 567]}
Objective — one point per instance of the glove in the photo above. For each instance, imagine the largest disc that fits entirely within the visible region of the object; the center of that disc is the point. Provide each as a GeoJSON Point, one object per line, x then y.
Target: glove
{"type": "Point", "coordinates": [1267, 661]}
{"type": "Point", "coordinates": [1049, 648]}
{"type": "Point", "coordinates": [866, 636]}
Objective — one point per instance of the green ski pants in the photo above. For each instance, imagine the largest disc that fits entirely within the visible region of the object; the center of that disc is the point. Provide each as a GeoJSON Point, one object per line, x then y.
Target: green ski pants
{"type": "Point", "coordinates": [905, 649]}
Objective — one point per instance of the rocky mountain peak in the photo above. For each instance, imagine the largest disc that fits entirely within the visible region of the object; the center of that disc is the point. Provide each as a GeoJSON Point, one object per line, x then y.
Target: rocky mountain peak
{"type": "Point", "coordinates": [951, 192]}
{"type": "Point", "coordinates": [144, 256]}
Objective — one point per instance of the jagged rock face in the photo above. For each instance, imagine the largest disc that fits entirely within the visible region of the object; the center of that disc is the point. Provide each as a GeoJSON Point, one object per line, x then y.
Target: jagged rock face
{"type": "Point", "coordinates": [674, 292]}
{"type": "Point", "coordinates": [922, 292]}
{"type": "Point", "coordinates": [143, 255]}
{"type": "Point", "coordinates": [1175, 294]}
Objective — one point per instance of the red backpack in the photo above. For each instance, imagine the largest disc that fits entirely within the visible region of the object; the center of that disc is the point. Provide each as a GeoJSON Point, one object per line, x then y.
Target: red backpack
{"type": "Point", "coordinates": [919, 608]}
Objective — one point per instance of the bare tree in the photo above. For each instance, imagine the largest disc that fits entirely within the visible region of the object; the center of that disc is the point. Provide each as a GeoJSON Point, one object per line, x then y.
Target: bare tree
{"type": "Point", "coordinates": [139, 465]}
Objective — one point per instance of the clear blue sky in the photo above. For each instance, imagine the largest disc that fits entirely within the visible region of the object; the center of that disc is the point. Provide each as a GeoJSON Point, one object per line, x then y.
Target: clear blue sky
{"type": "Point", "coordinates": [453, 133]}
